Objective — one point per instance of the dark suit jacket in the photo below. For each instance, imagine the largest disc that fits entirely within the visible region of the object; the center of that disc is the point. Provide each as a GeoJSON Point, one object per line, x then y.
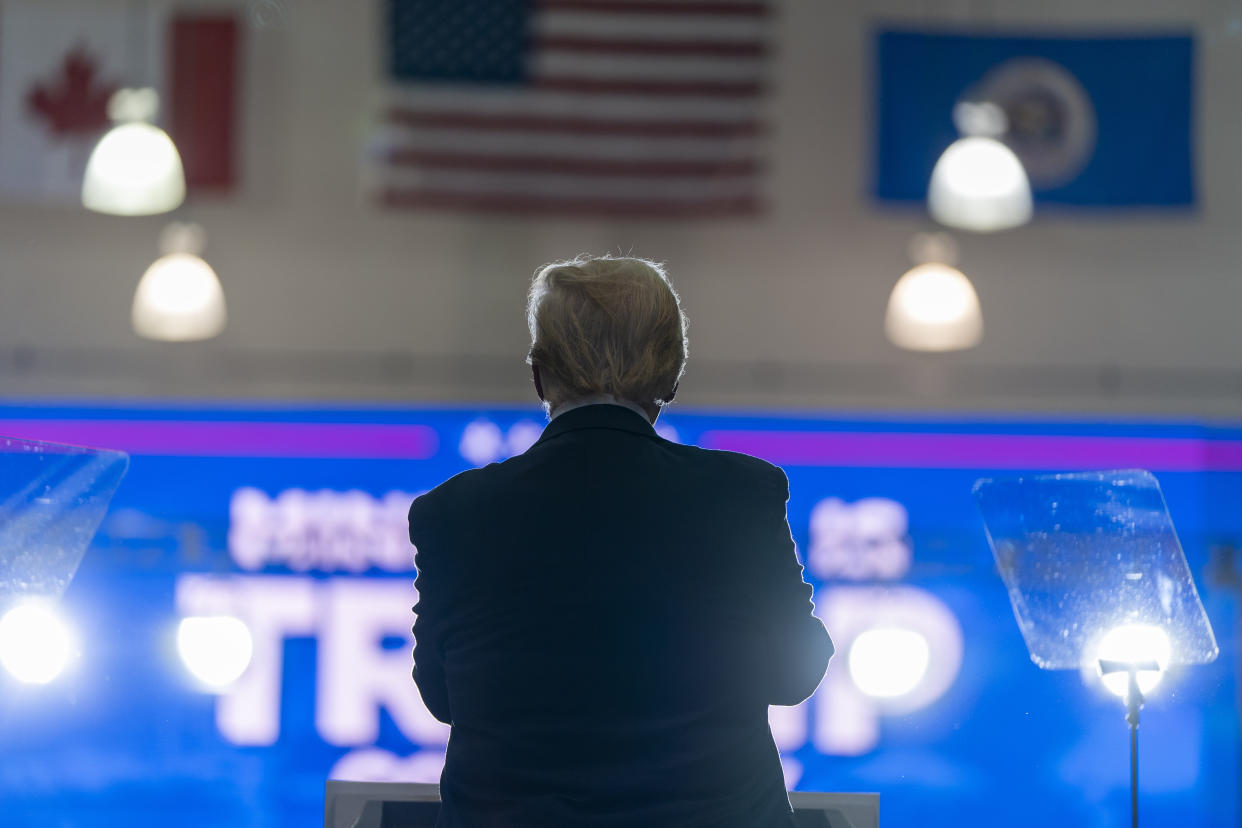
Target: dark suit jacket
{"type": "Point", "coordinates": [604, 621]}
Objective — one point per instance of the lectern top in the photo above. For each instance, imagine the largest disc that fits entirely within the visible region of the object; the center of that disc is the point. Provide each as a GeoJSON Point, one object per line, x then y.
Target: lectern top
{"type": "Point", "coordinates": [52, 498]}
{"type": "Point", "coordinates": [1087, 555]}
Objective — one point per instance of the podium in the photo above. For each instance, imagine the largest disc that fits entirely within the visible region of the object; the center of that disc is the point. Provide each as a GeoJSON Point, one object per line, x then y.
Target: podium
{"type": "Point", "coordinates": [414, 805]}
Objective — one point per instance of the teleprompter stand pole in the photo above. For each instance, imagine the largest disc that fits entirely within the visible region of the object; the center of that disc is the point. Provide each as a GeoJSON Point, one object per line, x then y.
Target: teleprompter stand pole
{"type": "Point", "coordinates": [1134, 703]}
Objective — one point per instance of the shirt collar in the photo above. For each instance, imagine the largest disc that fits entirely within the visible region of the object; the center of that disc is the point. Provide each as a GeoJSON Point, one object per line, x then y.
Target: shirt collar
{"type": "Point", "coordinates": [602, 399]}
{"type": "Point", "coordinates": [607, 415]}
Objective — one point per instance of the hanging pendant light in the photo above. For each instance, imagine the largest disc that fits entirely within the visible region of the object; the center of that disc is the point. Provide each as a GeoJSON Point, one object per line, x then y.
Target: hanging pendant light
{"type": "Point", "coordinates": [933, 307]}
{"type": "Point", "coordinates": [179, 298]}
{"type": "Point", "coordinates": [135, 169]}
{"type": "Point", "coordinates": [979, 184]}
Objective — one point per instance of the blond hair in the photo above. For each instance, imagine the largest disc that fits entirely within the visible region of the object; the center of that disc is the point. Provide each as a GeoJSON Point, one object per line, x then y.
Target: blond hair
{"type": "Point", "coordinates": [606, 326]}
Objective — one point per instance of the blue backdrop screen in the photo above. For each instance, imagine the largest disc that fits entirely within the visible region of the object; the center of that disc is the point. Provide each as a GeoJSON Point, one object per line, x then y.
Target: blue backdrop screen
{"type": "Point", "coordinates": [294, 520]}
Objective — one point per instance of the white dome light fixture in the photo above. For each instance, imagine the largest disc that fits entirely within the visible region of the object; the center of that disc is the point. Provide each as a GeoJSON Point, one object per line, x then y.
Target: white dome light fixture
{"type": "Point", "coordinates": [179, 298]}
{"type": "Point", "coordinates": [933, 307]}
{"type": "Point", "coordinates": [35, 644]}
{"type": "Point", "coordinates": [979, 184]}
{"type": "Point", "coordinates": [135, 169]}
{"type": "Point", "coordinates": [215, 649]}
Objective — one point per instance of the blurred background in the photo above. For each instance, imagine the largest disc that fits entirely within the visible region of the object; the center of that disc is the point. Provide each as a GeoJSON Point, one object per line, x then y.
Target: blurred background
{"type": "Point", "coordinates": [278, 252]}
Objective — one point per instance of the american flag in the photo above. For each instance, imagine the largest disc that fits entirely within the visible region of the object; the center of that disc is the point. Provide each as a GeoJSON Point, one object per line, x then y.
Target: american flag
{"type": "Point", "coordinates": [604, 107]}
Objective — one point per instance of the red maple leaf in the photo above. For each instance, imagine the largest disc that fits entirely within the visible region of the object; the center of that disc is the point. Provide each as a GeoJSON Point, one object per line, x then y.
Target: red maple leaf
{"type": "Point", "coordinates": [74, 101]}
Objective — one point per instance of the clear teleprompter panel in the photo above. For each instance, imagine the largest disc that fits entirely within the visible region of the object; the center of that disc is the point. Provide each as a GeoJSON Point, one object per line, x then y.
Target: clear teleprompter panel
{"type": "Point", "coordinates": [1085, 554]}
{"type": "Point", "coordinates": [52, 498]}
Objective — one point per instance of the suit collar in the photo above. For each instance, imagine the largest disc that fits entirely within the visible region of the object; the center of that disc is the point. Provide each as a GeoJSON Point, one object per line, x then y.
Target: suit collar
{"type": "Point", "coordinates": [601, 415]}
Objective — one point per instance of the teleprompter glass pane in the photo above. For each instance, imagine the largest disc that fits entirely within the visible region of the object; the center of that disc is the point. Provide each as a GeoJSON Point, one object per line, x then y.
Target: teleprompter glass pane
{"type": "Point", "coordinates": [1085, 554]}
{"type": "Point", "coordinates": [52, 498]}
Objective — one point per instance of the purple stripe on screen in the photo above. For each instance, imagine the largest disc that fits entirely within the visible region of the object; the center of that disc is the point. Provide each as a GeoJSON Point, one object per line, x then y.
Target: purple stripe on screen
{"type": "Point", "coordinates": [788, 448]}
{"type": "Point", "coordinates": [366, 441]}
{"type": "Point", "coordinates": [979, 451]}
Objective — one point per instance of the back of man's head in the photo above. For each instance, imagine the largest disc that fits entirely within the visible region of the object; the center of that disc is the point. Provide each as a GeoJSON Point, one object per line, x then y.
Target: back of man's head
{"type": "Point", "coordinates": [606, 327]}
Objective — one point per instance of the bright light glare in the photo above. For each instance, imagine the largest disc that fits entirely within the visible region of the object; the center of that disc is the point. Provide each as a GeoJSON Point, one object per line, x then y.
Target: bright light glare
{"type": "Point", "coordinates": [134, 170]}
{"type": "Point", "coordinates": [179, 299]}
{"type": "Point", "coordinates": [979, 184]}
{"type": "Point", "coordinates": [934, 307]}
{"type": "Point", "coordinates": [216, 649]}
{"type": "Point", "coordinates": [1134, 643]}
{"type": "Point", "coordinates": [35, 644]}
{"type": "Point", "coordinates": [888, 662]}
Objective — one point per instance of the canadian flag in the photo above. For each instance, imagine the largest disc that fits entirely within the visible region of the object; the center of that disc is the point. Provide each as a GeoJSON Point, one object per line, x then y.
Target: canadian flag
{"type": "Point", "coordinates": [61, 61]}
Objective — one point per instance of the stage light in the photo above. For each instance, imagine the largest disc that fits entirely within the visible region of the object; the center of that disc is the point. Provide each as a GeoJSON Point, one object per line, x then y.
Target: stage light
{"type": "Point", "coordinates": [135, 169]}
{"type": "Point", "coordinates": [979, 184]}
{"type": "Point", "coordinates": [215, 649]}
{"type": "Point", "coordinates": [934, 307]}
{"type": "Point", "coordinates": [1132, 644]}
{"type": "Point", "coordinates": [35, 644]}
{"type": "Point", "coordinates": [888, 662]}
{"type": "Point", "coordinates": [179, 298]}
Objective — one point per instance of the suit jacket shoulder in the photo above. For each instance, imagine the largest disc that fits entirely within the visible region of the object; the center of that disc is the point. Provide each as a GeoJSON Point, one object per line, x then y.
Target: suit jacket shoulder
{"type": "Point", "coordinates": [746, 465]}
{"type": "Point", "coordinates": [434, 506]}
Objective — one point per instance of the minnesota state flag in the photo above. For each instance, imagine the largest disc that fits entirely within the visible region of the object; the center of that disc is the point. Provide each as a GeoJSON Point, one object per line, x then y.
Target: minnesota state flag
{"type": "Point", "coordinates": [1098, 121]}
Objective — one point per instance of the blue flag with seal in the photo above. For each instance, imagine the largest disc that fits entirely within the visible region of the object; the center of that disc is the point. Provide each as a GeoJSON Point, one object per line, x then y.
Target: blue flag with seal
{"type": "Point", "coordinates": [1097, 121]}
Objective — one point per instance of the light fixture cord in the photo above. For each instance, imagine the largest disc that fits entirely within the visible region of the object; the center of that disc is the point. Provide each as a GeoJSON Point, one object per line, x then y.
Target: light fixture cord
{"type": "Point", "coordinates": [137, 42]}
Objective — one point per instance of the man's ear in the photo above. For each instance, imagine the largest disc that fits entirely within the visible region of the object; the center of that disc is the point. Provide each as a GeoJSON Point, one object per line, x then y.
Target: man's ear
{"type": "Point", "coordinates": [534, 372]}
{"type": "Point", "coordinates": [668, 398]}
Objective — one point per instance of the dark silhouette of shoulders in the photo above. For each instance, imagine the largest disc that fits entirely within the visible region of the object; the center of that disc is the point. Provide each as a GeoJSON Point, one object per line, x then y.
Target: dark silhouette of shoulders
{"type": "Point", "coordinates": [604, 620]}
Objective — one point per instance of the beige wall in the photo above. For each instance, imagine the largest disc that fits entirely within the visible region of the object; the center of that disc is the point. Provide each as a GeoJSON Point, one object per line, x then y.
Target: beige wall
{"type": "Point", "coordinates": [330, 298]}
